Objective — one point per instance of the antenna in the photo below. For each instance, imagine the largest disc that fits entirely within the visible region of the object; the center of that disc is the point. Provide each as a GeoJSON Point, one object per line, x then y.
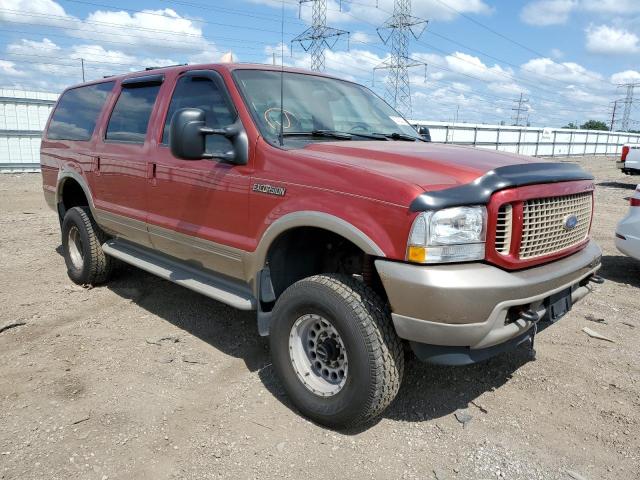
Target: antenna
{"type": "Point", "coordinates": [281, 135]}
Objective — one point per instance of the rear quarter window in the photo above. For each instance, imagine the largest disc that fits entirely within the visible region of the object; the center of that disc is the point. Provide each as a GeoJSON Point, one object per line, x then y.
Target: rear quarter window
{"type": "Point", "coordinates": [77, 112]}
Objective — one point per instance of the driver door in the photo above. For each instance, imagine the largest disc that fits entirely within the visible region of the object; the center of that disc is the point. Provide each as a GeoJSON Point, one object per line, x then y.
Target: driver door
{"type": "Point", "coordinates": [198, 209]}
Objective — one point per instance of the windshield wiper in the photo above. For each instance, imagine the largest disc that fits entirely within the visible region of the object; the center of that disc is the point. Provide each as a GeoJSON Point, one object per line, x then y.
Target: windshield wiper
{"type": "Point", "coordinates": [320, 133]}
{"type": "Point", "coordinates": [400, 136]}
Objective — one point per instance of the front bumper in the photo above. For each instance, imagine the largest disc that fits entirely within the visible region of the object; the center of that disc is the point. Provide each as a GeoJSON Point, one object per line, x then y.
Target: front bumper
{"type": "Point", "coordinates": [466, 305]}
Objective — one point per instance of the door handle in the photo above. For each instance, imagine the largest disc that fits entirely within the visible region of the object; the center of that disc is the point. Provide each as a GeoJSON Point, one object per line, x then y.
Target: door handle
{"type": "Point", "coordinates": [151, 170]}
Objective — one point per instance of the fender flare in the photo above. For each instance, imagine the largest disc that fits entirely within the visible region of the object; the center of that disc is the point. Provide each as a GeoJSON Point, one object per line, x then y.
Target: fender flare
{"type": "Point", "coordinates": [66, 174]}
{"type": "Point", "coordinates": [309, 218]}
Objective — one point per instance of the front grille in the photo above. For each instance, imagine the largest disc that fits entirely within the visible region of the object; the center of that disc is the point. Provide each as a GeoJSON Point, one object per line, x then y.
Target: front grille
{"type": "Point", "coordinates": [544, 222]}
{"type": "Point", "coordinates": [504, 226]}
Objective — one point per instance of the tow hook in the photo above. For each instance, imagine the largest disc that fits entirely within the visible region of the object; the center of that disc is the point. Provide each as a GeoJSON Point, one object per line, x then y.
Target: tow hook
{"type": "Point", "coordinates": [596, 279]}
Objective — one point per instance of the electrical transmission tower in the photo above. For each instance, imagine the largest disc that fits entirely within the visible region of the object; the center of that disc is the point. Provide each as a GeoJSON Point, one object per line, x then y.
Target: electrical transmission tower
{"type": "Point", "coordinates": [628, 101]}
{"type": "Point", "coordinates": [318, 36]}
{"type": "Point", "coordinates": [397, 31]}
{"type": "Point", "coordinates": [519, 109]}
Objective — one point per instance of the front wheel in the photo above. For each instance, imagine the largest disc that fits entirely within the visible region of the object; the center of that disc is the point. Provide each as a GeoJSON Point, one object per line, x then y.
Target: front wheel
{"type": "Point", "coordinates": [334, 348]}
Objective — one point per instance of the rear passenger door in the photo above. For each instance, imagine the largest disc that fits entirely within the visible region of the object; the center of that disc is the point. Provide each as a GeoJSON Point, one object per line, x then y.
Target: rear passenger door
{"type": "Point", "coordinates": [122, 160]}
{"type": "Point", "coordinates": [198, 209]}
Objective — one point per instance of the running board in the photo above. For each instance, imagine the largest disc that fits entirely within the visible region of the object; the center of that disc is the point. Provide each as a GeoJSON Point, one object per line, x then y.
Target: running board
{"type": "Point", "coordinates": [213, 286]}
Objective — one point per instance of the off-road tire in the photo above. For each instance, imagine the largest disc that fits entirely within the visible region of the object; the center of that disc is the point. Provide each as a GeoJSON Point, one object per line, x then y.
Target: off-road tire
{"type": "Point", "coordinates": [374, 351]}
{"type": "Point", "coordinates": [95, 267]}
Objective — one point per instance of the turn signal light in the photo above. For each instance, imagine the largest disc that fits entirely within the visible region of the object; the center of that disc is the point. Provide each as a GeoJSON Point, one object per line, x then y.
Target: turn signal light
{"type": "Point", "coordinates": [417, 254]}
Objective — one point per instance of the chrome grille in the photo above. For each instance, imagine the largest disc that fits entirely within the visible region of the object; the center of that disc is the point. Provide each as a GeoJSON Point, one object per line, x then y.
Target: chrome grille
{"type": "Point", "coordinates": [543, 228]}
{"type": "Point", "coordinates": [504, 224]}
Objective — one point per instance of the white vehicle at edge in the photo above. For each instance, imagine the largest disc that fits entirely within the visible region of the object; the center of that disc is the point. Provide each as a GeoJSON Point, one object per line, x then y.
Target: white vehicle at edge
{"type": "Point", "coordinates": [630, 159]}
{"type": "Point", "coordinates": [628, 229]}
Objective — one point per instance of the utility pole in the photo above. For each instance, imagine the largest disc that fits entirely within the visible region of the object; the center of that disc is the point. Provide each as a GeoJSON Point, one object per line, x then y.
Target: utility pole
{"type": "Point", "coordinates": [318, 36]}
{"type": "Point", "coordinates": [397, 31]}
{"type": "Point", "coordinates": [519, 109]}
{"type": "Point", "coordinates": [82, 65]}
{"type": "Point", "coordinates": [614, 108]}
{"type": "Point", "coordinates": [628, 101]}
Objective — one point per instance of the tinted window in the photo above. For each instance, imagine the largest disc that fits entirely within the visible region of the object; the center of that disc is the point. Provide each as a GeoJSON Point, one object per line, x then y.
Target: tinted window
{"type": "Point", "coordinates": [202, 93]}
{"type": "Point", "coordinates": [77, 112]}
{"type": "Point", "coordinates": [130, 117]}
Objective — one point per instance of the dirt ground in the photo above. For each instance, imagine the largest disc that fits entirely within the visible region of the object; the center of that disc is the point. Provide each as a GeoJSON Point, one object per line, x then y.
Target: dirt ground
{"type": "Point", "coordinates": [143, 379]}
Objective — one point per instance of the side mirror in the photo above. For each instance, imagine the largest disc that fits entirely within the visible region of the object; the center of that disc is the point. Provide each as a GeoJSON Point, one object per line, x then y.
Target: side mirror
{"type": "Point", "coordinates": [187, 137]}
{"type": "Point", "coordinates": [425, 133]}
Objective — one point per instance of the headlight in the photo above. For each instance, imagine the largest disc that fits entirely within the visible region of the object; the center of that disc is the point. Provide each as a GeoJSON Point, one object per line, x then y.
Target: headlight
{"type": "Point", "coordinates": [449, 235]}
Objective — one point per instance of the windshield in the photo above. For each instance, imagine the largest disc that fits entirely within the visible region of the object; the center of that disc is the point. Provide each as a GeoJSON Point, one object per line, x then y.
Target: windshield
{"type": "Point", "coordinates": [317, 105]}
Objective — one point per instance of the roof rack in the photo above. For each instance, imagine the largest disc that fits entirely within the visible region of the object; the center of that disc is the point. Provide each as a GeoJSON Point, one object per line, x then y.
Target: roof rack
{"type": "Point", "coordinates": [146, 69]}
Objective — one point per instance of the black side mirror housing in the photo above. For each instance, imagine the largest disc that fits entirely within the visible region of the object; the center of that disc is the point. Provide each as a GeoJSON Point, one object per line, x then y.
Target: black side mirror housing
{"type": "Point", "coordinates": [425, 133]}
{"type": "Point", "coordinates": [187, 138]}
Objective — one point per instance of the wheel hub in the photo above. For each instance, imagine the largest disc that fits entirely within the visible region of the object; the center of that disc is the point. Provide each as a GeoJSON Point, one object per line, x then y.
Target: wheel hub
{"type": "Point", "coordinates": [318, 355]}
{"type": "Point", "coordinates": [74, 245]}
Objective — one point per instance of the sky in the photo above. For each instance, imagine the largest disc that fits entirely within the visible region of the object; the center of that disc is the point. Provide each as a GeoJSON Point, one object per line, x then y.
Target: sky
{"type": "Point", "coordinates": [566, 57]}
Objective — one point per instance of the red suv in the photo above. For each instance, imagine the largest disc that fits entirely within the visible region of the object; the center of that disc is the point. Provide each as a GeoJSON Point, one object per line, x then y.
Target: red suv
{"type": "Point", "coordinates": [312, 202]}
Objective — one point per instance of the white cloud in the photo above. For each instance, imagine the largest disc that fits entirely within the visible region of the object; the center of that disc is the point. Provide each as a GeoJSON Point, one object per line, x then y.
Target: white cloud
{"type": "Point", "coordinates": [568, 72]}
{"type": "Point", "coordinates": [39, 12]}
{"type": "Point", "coordinates": [361, 37]}
{"type": "Point", "coordinates": [152, 29]}
{"type": "Point", "coordinates": [627, 76]}
{"type": "Point", "coordinates": [9, 69]}
{"type": "Point", "coordinates": [615, 7]}
{"type": "Point", "coordinates": [31, 47]}
{"type": "Point", "coordinates": [547, 12]}
{"type": "Point", "coordinates": [611, 40]}
{"type": "Point", "coordinates": [469, 65]}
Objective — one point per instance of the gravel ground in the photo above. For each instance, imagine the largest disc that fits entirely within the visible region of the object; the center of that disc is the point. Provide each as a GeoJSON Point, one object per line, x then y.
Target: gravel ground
{"type": "Point", "coordinates": [142, 379]}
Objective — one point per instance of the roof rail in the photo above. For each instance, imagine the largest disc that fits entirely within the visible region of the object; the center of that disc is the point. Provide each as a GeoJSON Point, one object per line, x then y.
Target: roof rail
{"type": "Point", "coordinates": [166, 66]}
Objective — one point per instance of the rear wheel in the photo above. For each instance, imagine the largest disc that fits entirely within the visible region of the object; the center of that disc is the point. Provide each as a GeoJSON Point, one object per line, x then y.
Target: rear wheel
{"type": "Point", "coordinates": [82, 242]}
{"type": "Point", "coordinates": [335, 350]}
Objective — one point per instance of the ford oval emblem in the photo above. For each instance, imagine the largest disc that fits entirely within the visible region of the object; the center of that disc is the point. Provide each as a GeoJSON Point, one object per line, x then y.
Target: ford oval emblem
{"type": "Point", "coordinates": [570, 222]}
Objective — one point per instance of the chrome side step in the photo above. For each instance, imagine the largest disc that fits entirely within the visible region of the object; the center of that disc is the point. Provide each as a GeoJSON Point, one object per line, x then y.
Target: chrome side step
{"type": "Point", "coordinates": [213, 286]}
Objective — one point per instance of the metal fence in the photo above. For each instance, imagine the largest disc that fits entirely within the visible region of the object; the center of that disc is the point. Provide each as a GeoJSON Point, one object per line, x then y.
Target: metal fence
{"type": "Point", "coordinates": [540, 142]}
{"type": "Point", "coordinates": [23, 115]}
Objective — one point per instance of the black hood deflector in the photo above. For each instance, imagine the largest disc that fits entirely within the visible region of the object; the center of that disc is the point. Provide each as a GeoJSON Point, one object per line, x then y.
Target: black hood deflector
{"type": "Point", "coordinates": [480, 190]}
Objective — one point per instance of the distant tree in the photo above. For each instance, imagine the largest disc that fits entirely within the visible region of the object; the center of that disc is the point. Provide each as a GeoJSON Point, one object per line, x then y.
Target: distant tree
{"type": "Point", "coordinates": [571, 125]}
{"type": "Point", "coordinates": [594, 125]}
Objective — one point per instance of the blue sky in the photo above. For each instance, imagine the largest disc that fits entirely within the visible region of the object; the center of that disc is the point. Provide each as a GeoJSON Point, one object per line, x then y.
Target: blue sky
{"type": "Point", "coordinates": [565, 56]}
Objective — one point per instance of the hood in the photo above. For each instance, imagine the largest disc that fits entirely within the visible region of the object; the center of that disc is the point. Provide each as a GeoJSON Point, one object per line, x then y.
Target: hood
{"type": "Point", "coordinates": [427, 165]}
